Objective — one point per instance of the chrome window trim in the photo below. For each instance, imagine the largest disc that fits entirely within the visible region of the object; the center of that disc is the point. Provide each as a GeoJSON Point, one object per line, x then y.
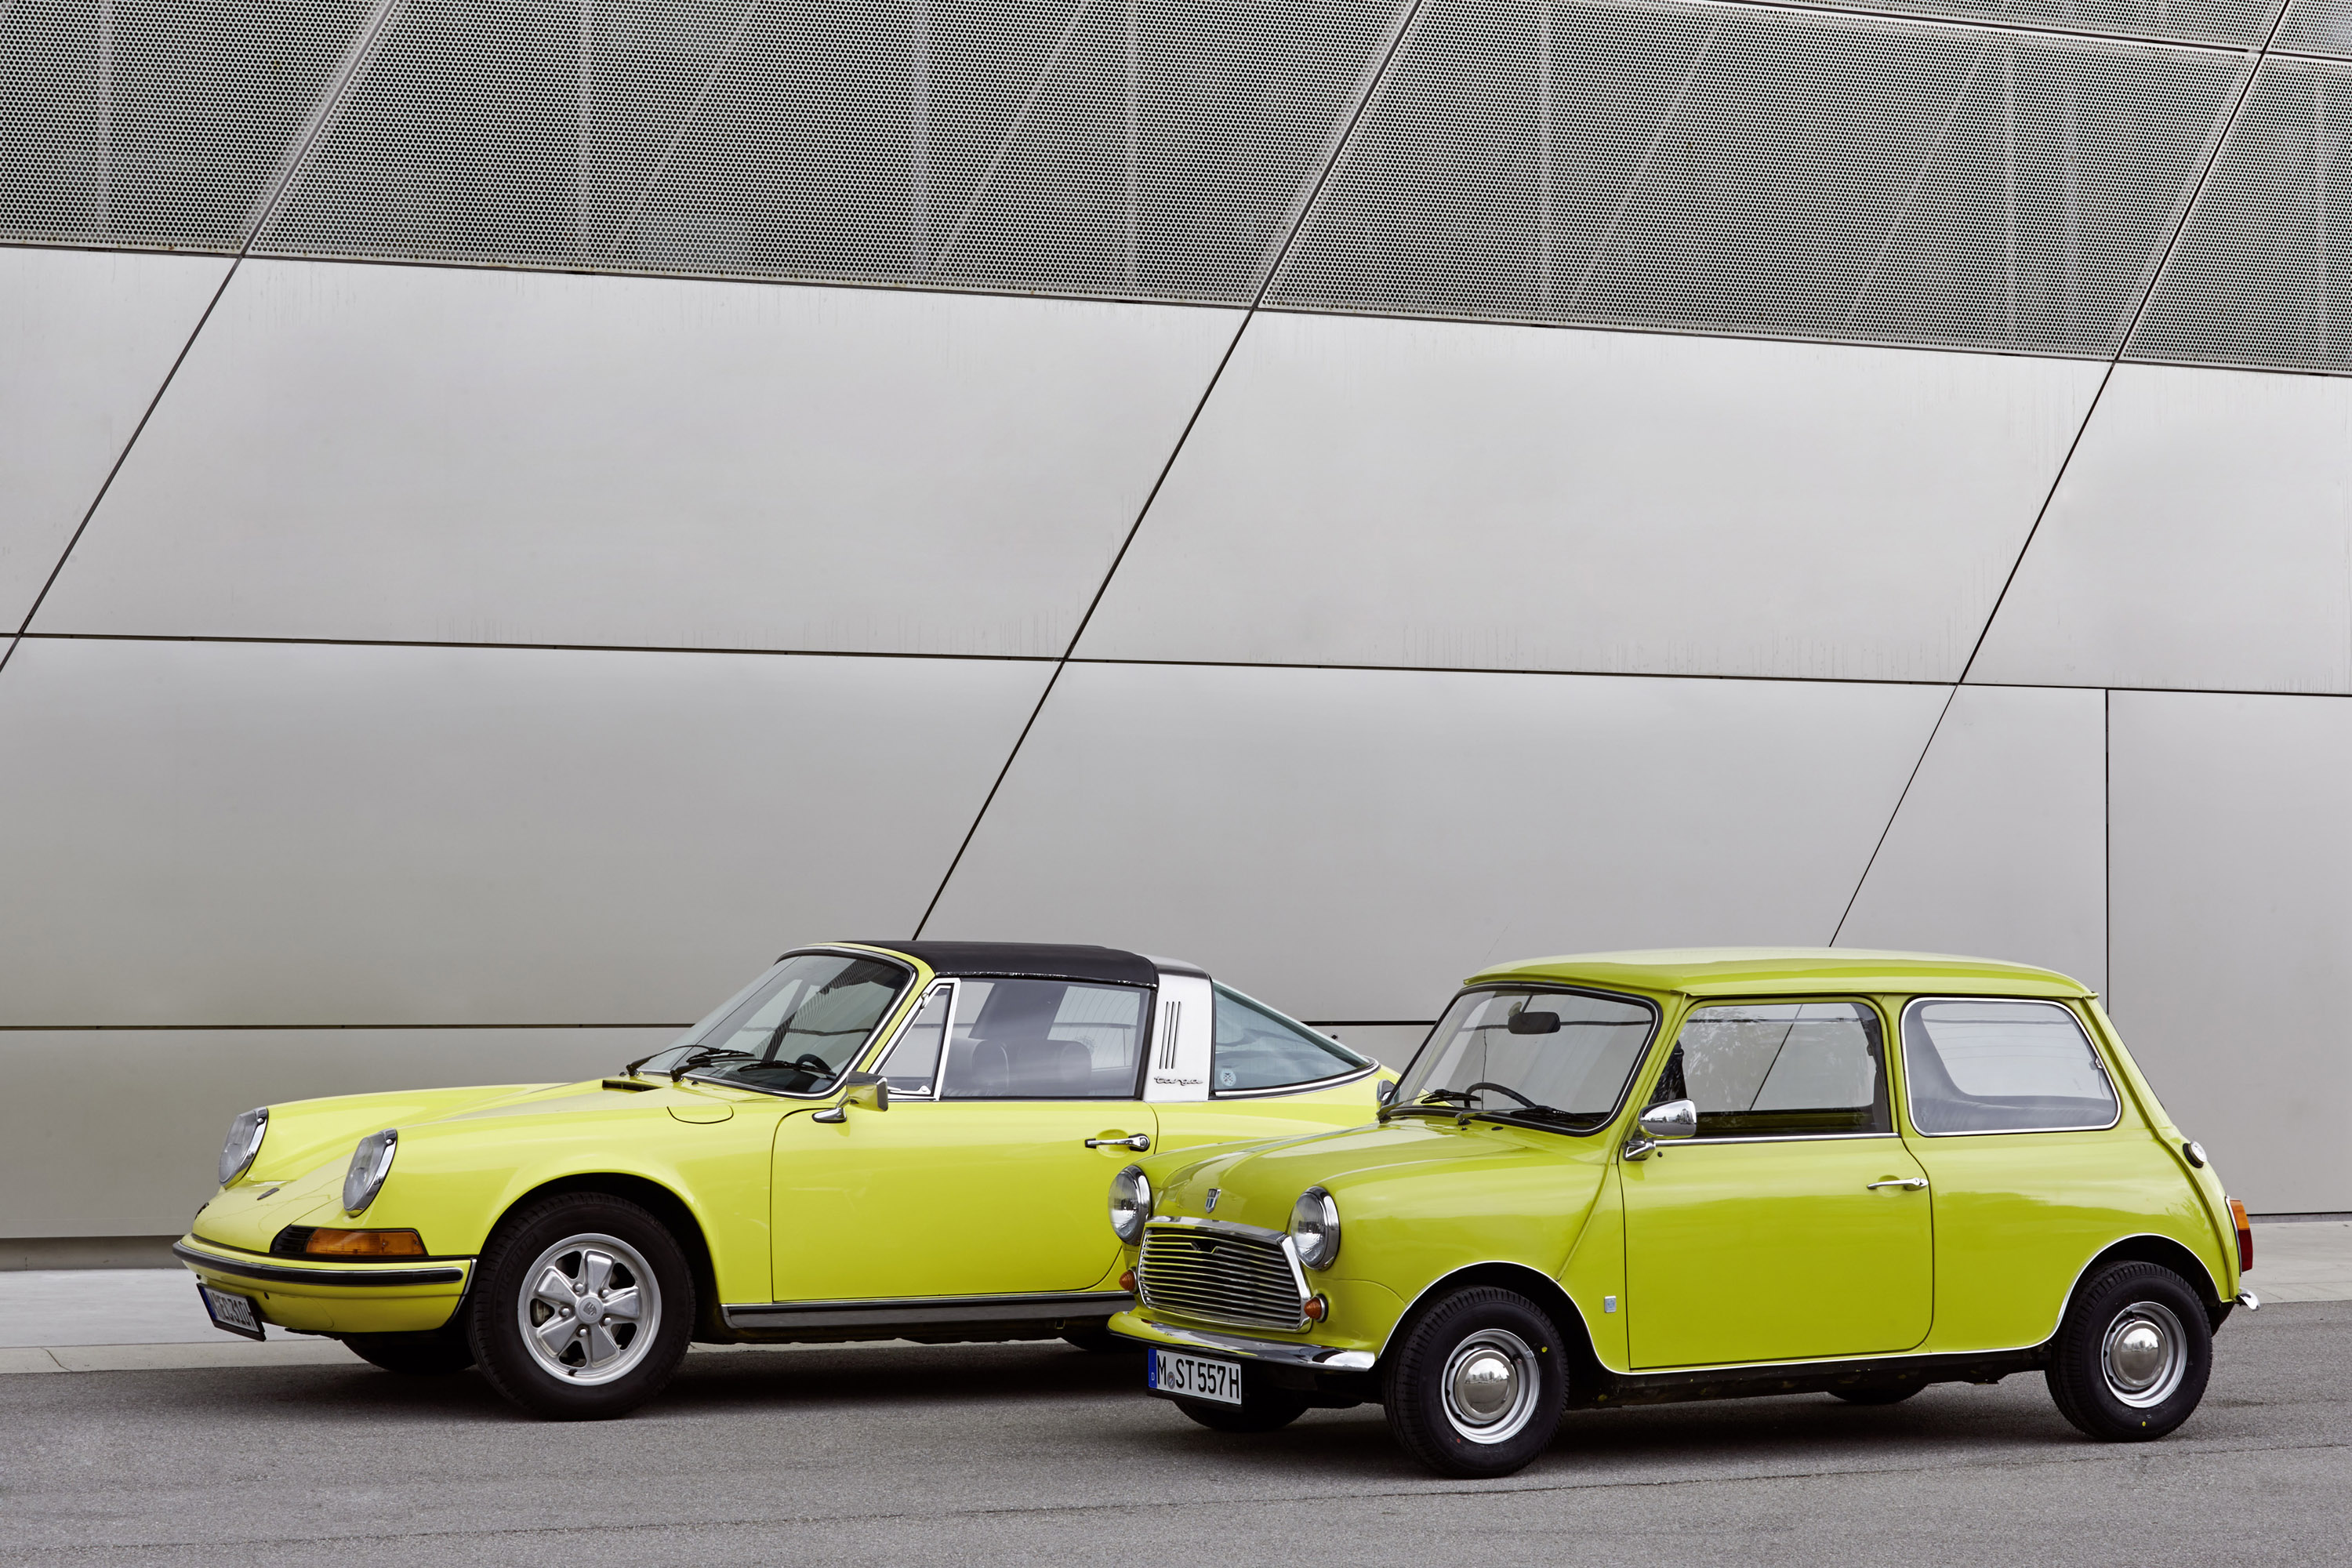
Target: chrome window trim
{"type": "Point", "coordinates": [940, 982]}
{"type": "Point", "coordinates": [1304, 1087]}
{"type": "Point", "coordinates": [1886, 1068]}
{"type": "Point", "coordinates": [1146, 1042]}
{"type": "Point", "coordinates": [914, 974]}
{"type": "Point", "coordinates": [2100, 1062]}
{"type": "Point", "coordinates": [1783, 1138]}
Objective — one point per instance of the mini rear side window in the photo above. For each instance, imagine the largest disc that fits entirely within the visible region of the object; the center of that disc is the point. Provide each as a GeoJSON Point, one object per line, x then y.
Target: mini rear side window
{"type": "Point", "coordinates": [1972, 1065]}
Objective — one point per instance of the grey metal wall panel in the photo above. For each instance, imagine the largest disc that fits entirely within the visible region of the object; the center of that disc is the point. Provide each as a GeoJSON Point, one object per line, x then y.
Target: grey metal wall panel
{"type": "Point", "coordinates": [2234, 930]}
{"type": "Point", "coordinates": [2261, 273]}
{"type": "Point", "coordinates": [138, 1158]}
{"type": "Point", "coordinates": [86, 339]}
{"type": "Point", "coordinates": [1351, 843]}
{"type": "Point", "coordinates": [1144, 150]}
{"type": "Point", "coordinates": [2000, 850]}
{"type": "Point", "coordinates": [157, 122]}
{"type": "Point", "coordinates": [240, 834]}
{"type": "Point", "coordinates": [1364, 491]}
{"type": "Point", "coordinates": [1732, 168]}
{"type": "Point", "coordinates": [426, 454]}
{"type": "Point", "coordinates": [2215, 21]}
{"type": "Point", "coordinates": [2317, 28]}
{"type": "Point", "coordinates": [2202, 537]}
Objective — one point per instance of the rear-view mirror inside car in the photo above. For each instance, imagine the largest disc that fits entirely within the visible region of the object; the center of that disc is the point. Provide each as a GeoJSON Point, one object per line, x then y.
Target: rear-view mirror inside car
{"type": "Point", "coordinates": [1535, 1023]}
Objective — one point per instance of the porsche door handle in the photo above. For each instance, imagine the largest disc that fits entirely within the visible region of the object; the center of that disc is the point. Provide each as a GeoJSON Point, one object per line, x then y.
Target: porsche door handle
{"type": "Point", "coordinates": [1139, 1142]}
{"type": "Point", "coordinates": [1909, 1184]}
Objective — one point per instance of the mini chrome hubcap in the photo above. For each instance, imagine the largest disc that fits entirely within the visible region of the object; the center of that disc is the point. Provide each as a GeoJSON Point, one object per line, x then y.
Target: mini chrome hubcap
{"type": "Point", "coordinates": [590, 1308]}
{"type": "Point", "coordinates": [2143, 1354]}
{"type": "Point", "coordinates": [1491, 1383]}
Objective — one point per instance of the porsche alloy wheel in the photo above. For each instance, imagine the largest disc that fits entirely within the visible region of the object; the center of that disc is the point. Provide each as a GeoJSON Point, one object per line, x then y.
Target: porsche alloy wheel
{"type": "Point", "coordinates": [583, 1307]}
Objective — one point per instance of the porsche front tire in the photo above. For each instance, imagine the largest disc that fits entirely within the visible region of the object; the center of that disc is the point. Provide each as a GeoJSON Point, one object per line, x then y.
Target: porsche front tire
{"type": "Point", "coordinates": [583, 1307]}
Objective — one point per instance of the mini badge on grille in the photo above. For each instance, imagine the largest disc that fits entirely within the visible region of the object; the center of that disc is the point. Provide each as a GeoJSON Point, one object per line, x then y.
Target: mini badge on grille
{"type": "Point", "coordinates": [1210, 1206]}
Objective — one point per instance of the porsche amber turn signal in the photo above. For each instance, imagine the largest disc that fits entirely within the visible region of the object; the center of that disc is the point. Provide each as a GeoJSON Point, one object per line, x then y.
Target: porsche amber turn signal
{"type": "Point", "coordinates": [366, 1243]}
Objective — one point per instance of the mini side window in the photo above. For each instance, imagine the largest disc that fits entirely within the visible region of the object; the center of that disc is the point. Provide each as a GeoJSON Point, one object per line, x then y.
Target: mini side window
{"type": "Point", "coordinates": [1791, 1069]}
{"type": "Point", "coordinates": [1990, 1065]}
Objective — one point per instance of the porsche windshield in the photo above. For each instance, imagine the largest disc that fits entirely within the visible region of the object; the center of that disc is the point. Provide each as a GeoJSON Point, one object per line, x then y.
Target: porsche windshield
{"type": "Point", "coordinates": [800, 1029]}
{"type": "Point", "coordinates": [1550, 1058]}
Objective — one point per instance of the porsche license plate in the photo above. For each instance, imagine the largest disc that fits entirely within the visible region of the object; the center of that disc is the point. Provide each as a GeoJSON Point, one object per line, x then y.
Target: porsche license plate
{"type": "Point", "coordinates": [1196, 1376]}
{"type": "Point", "coordinates": [237, 1314]}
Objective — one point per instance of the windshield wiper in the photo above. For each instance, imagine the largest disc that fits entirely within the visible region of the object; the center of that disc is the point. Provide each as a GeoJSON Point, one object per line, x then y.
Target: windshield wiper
{"type": "Point", "coordinates": [702, 1057]}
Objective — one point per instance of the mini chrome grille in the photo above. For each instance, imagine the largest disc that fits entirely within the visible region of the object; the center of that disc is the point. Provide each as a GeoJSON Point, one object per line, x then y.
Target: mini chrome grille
{"type": "Point", "coordinates": [1215, 1274]}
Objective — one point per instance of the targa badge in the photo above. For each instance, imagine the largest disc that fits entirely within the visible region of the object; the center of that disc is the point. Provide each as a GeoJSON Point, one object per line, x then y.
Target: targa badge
{"type": "Point", "coordinates": [1210, 1206]}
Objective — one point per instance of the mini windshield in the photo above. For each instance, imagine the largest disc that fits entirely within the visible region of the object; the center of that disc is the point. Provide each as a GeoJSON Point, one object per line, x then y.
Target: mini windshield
{"type": "Point", "coordinates": [800, 1029]}
{"type": "Point", "coordinates": [1550, 1058]}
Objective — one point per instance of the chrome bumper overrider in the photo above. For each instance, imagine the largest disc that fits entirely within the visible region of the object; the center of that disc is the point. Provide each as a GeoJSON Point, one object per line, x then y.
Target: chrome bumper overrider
{"type": "Point", "coordinates": [1319, 1358]}
{"type": "Point", "coordinates": [2249, 1301]}
{"type": "Point", "coordinates": [366, 1277]}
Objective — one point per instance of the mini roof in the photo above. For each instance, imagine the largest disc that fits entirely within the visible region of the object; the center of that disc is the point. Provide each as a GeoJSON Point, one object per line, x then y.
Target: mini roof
{"type": "Point", "coordinates": [1039, 959]}
{"type": "Point", "coordinates": [1780, 971]}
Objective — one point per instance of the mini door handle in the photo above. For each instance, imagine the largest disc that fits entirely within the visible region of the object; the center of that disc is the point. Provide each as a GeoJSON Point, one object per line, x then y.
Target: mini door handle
{"type": "Point", "coordinates": [1139, 1142]}
{"type": "Point", "coordinates": [1909, 1184]}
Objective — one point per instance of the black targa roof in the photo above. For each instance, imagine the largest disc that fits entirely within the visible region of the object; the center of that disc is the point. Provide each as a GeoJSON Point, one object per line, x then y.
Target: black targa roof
{"type": "Point", "coordinates": [1040, 960]}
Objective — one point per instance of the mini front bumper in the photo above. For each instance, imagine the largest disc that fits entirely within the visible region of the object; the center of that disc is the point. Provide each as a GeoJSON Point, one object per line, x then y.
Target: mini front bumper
{"type": "Point", "coordinates": [1282, 1352]}
{"type": "Point", "coordinates": [333, 1298]}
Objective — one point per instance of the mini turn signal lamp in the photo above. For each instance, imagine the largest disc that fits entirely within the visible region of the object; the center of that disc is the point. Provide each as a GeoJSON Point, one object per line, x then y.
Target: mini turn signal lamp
{"type": "Point", "coordinates": [365, 1244]}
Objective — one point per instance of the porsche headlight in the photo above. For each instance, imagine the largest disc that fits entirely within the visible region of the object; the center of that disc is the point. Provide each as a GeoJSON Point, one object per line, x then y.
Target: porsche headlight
{"type": "Point", "coordinates": [1130, 1203]}
{"type": "Point", "coordinates": [1315, 1229]}
{"type": "Point", "coordinates": [371, 1163]}
{"type": "Point", "coordinates": [244, 1135]}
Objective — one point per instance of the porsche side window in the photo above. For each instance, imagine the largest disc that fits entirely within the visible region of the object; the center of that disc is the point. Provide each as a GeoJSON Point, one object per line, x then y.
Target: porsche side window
{"type": "Point", "coordinates": [913, 1065]}
{"type": "Point", "coordinates": [1044, 1039]}
{"type": "Point", "coordinates": [1257, 1048]}
{"type": "Point", "coordinates": [1781, 1070]}
{"type": "Point", "coordinates": [1995, 1065]}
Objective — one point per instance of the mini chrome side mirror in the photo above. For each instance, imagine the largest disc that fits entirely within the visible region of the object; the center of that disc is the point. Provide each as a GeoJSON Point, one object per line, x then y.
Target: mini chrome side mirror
{"type": "Point", "coordinates": [866, 1090]}
{"type": "Point", "coordinates": [1675, 1118]}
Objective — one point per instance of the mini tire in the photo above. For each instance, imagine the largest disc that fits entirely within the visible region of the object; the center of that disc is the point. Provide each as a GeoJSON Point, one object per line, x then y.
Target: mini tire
{"type": "Point", "coordinates": [437, 1352]}
{"type": "Point", "coordinates": [1264, 1408]}
{"type": "Point", "coordinates": [2131, 1356]}
{"type": "Point", "coordinates": [1476, 1387]}
{"type": "Point", "coordinates": [582, 1307]}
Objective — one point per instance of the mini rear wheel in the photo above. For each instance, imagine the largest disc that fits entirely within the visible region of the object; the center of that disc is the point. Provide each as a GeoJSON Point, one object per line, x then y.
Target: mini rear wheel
{"type": "Point", "coordinates": [582, 1307]}
{"type": "Point", "coordinates": [437, 1352]}
{"type": "Point", "coordinates": [2132, 1354]}
{"type": "Point", "coordinates": [1477, 1386]}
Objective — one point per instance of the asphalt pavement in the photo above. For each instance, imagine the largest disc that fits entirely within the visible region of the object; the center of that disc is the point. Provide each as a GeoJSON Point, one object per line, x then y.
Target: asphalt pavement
{"type": "Point", "coordinates": [1040, 1454]}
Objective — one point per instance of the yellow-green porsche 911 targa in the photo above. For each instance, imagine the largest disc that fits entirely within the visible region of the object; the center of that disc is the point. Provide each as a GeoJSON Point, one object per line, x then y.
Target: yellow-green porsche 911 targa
{"type": "Point", "coordinates": [900, 1140]}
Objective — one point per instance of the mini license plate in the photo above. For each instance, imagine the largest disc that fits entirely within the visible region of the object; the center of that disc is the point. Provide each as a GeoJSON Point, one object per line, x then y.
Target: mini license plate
{"type": "Point", "coordinates": [1195, 1376]}
{"type": "Point", "coordinates": [237, 1314]}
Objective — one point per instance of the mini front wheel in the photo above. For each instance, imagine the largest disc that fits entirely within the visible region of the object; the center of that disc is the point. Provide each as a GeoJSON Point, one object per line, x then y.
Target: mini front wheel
{"type": "Point", "coordinates": [2132, 1354]}
{"type": "Point", "coordinates": [582, 1307]}
{"type": "Point", "coordinates": [1477, 1386]}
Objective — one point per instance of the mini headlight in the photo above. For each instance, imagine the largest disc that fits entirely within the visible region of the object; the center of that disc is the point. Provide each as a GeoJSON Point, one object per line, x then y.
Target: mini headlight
{"type": "Point", "coordinates": [1315, 1229]}
{"type": "Point", "coordinates": [244, 1145]}
{"type": "Point", "coordinates": [371, 1163]}
{"type": "Point", "coordinates": [1130, 1203]}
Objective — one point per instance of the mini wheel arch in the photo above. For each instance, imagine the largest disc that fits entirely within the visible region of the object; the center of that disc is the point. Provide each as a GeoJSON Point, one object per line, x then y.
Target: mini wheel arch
{"type": "Point", "coordinates": [1585, 1374]}
{"type": "Point", "coordinates": [2165, 1253]}
{"type": "Point", "coordinates": [665, 1205]}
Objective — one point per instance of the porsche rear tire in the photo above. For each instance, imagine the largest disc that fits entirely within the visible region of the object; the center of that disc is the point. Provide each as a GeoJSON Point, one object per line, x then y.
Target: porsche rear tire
{"type": "Point", "coordinates": [437, 1352]}
{"type": "Point", "coordinates": [582, 1307]}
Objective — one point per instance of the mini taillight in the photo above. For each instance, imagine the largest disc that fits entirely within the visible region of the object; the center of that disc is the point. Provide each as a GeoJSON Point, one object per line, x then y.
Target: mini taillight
{"type": "Point", "coordinates": [366, 1243]}
{"type": "Point", "coordinates": [2245, 1235]}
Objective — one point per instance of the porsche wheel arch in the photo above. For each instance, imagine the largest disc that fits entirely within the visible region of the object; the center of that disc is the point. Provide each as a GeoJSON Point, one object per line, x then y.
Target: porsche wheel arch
{"type": "Point", "coordinates": [665, 1205]}
{"type": "Point", "coordinates": [1584, 1370]}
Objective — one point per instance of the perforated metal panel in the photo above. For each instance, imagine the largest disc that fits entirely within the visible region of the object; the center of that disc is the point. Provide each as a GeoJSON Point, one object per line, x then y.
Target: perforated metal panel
{"type": "Point", "coordinates": [2215, 21]}
{"type": "Point", "coordinates": [156, 122]}
{"type": "Point", "coordinates": [1107, 146]}
{"type": "Point", "coordinates": [1730, 168]}
{"type": "Point", "coordinates": [2317, 28]}
{"type": "Point", "coordinates": [2262, 274]}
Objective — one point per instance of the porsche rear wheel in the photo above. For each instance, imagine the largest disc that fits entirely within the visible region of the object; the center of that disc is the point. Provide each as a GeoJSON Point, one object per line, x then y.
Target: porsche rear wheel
{"type": "Point", "coordinates": [437, 1352]}
{"type": "Point", "coordinates": [583, 1307]}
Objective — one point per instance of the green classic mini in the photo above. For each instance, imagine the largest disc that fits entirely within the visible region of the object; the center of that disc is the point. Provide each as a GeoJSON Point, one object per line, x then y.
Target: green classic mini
{"type": "Point", "coordinates": [1631, 1178]}
{"type": "Point", "coordinates": [900, 1140]}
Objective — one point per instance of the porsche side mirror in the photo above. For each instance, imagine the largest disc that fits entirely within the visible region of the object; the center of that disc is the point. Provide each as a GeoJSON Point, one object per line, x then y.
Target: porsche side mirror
{"type": "Point", "coordinates": [1386, 1092]}
{"type": "Point", "coordinates": [866, 1090]}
